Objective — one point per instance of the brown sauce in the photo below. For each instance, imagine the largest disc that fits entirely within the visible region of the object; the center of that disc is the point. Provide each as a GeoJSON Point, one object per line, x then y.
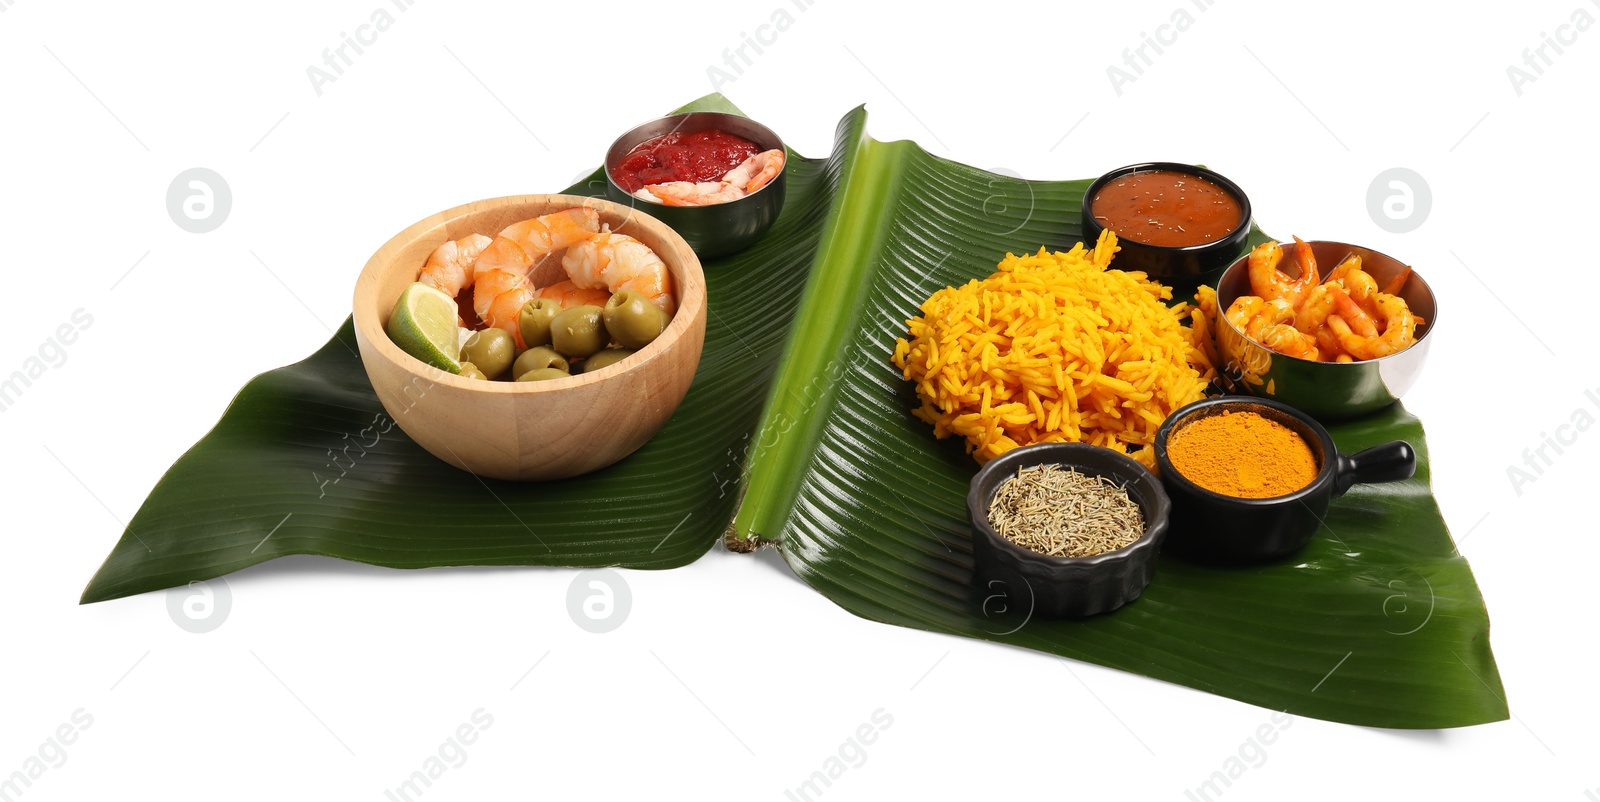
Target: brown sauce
{"type": "Point", "coordinates": [1167, 208]}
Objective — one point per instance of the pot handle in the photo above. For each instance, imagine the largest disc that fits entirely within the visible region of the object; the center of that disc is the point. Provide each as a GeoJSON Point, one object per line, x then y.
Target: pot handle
{"type": "Point", "coordinates": [1393, 461]}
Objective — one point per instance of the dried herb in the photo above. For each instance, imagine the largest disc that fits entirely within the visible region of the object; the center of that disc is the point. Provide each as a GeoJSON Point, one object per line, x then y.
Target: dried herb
{"type": "Point", "coordinates": [1063, 513]}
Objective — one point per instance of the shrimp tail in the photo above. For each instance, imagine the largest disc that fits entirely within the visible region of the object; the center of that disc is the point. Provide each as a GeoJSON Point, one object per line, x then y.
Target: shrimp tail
{"type": "Point", "coordinates": [1397, 283]}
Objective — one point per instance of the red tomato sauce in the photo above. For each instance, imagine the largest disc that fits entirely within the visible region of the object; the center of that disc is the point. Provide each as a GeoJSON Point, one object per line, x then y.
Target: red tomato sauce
{"type": "Point", "coordinates": [1168, 208]}
{"type": "Point", "coordinates": [700, 156]}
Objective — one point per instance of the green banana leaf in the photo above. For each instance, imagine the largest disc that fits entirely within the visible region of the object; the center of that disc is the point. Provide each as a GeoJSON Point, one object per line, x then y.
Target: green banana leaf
{"type": "Point", "coordinates": [1377, 622]}
{"type": "Point", "coordinates": [796, 409]}
{"type": "Point", "coordinates": [306, 455]}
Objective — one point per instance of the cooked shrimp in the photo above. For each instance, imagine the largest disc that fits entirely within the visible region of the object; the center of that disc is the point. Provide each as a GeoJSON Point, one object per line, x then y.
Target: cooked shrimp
{"type": "Point", "coordinates": [1353, 313]}
{"type": "Point", "coordinates": [1253, 315]}
{"type": "Point", "coordinates": [1277, 311]}
{"type": "Point", "coordinates": [1243, 312]}
{"type": "Point", "coordinates": [1328, 347]}
{"type": "Point", "coordinates": [1268, 323]}
{"type": "Point", "coordinates": [554, 231]}
{"type": "Point", "coordinates": [1357, 282]}
{"type": "Point", "coordinates": [754, 173]}
{"type": "Point", "coordinates": [507, 291]}
{"type": "Point", "coordinates": [1399, 332]}
{"type": "Point", "coordinates": [1347, 264]}
{"type": "Point", "coordinates": [1361, 286]}
{"type": "Point", "coordinates": [1316, 308]}
{"type": "Point", "coordinates": [1287, 340]}
{"type": "Point", "coordinates": [569, 295]}
{"type": "Point", "coordinates": [687, 193]}
{"type": "Point", "coordinates": [1269, 283]}
{"type": "Point", "coordinates": [618, 262]}
{"type": "Point", "coordinates": [502, 267]}
{"type": "Point", "coordinates": [505, 309]}
{"type": "Point", "coordinates": [450, 266]}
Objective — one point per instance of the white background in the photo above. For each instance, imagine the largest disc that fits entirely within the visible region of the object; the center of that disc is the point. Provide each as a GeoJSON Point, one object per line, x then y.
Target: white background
{"type": "Point", "coordinates": [730, 679]}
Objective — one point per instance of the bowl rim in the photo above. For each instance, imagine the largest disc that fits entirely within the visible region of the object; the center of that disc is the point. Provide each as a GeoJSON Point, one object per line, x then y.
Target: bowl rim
{"type": "Point", "coordinates": [1246, 212]}
{"type": "Point", "coordinates": [1426, 328]}
{"type": "Point", "coordinates": [1175, 422]}
{"type": "Point", "coordinates": [692, 303]}
{"type": "Point", "coordinates": [684, 116]}
{"type": "Point", "coordinates": [1155, 525]}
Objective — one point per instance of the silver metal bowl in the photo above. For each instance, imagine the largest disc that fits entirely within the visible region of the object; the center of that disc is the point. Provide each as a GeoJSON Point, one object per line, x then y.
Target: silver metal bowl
{"type": "Point", "coordinates": [1325, 390]}
{"type": "Point", "coordinates": [718, 229]}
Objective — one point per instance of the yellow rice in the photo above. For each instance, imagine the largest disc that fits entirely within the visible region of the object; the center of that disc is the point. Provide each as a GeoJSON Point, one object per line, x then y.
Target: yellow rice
{"type": "Point", "coordinates": [1055, 347]}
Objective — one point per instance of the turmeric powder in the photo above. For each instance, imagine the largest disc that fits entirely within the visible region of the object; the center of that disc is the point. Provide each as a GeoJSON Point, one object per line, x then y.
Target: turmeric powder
{"type": "Point", "coordinates": [1243, 455]}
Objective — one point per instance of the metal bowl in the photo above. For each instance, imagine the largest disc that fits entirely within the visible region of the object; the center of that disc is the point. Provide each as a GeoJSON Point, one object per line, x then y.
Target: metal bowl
{"type": "Point", "coordinates": [718, 229]}
{"type": "Point", "coordinates": [1325, 390]}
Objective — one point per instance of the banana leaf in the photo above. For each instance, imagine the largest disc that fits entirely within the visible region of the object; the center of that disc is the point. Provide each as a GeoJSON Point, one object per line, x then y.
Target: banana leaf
{"type": "Point", "coordinates": [796, 410]}
{"type": "Point", "coordinates": [304, 460]}
{"type": "Point", "coordinates": [1378, 622]}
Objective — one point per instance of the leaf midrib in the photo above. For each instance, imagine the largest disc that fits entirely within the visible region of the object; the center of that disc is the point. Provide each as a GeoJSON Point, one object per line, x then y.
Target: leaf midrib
{"type": "Point", "coordinates": [831, 303]}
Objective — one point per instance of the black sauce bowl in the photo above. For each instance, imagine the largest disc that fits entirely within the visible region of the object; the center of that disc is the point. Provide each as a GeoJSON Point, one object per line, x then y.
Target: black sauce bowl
{"type": "Point", "coordinates": [1065, 587]}
{"type": "Point", "coordinates": [1184, 267]}
{"type": "Point", "coordinates": [1212, 527]}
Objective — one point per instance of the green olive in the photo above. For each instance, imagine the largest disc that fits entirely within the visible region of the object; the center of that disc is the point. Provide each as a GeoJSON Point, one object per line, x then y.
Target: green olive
{"type": "Point", "coordinates": [538, 358]}
{"type": "Point", "coordinates": [534, 320]}
{"type": "Point", "coordinates": [579, 331]}
{"type": "Point", "coordinates": [542, 374]}
{"type": "Point", "coordinates": [610, 356]}
{"type": "Point", "coordinates": [470, 371]}
{"type": "Point", "coordinates": [491, 350]}
{"type": "Point", "coordinates": [633, 321]}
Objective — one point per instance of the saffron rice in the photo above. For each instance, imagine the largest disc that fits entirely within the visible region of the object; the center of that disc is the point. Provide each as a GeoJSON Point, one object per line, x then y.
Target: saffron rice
{"type": "Point", "coordinates": [1056, 347]}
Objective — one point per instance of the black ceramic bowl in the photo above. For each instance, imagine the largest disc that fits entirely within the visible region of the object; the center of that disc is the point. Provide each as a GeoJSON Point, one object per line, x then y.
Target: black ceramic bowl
{"type": "Point", "coordinates": [1059, 587]}
{"type": "Point", "coordinates": [720, 228]}
{"type": "Point", "coordinates": [1211, 527]}
{"type": "Point", "coordinates": [1187, 266]}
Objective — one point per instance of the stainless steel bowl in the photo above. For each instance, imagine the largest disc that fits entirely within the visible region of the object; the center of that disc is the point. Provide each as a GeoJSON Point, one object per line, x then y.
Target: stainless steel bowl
{"type": "Point", "coordinates": [721, 228]}
{"type": "Point", "coordinates": [1325, 390]}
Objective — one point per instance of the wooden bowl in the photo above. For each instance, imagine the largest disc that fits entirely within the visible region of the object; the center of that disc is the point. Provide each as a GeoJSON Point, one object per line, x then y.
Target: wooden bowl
{"type": "Point", "coordinates": [529, 430]}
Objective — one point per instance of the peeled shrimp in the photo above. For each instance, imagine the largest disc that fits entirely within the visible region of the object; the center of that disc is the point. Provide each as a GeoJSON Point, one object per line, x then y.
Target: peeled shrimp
{"type": "Point", "coordinates": [1355, 315]}
{"type": "Point", "coordinates": [450, 266]}
{"type": "Point", "coordinates": [1314, 312]}
{"type": "Point", "coordinates": [1328, 344]}
{"type": "Point", "coordinates": [754, 173]}
{"type": "Point", "coordinates": [501, 286]}
{"type": "Point", "coordinates": [618, 262]}
{"type": "Point", "coordinates": [1250, 314]}
{"type": "Point", "coordinates": [507, 291]}
{"type": "Point", "coordinates": [1287, 340]}
{"type": "Point", "coordinates": [1352, 279]}
{"type": "Point", "coordinates": [1244, 309]}
{"type": "Point", "coordinates": [1347, 264]}
{"type": "Point", "coordinates": [569, 295]}
{"type": "Point", "coordinates": [1399, 332]}
{"type": "Point", "coordinates": [1268, 282]}
{"type": "Point", "coordinates": [750, 175]}
{"type": "Point", "coordinates": [1269, 323]}
{"type": "Point", "coordinates": [688, 193]}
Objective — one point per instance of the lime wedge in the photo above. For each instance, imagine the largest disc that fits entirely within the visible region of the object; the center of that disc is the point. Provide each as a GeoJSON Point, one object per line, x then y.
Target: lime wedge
{"type": "Point", "coordinates": [424, 325]}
